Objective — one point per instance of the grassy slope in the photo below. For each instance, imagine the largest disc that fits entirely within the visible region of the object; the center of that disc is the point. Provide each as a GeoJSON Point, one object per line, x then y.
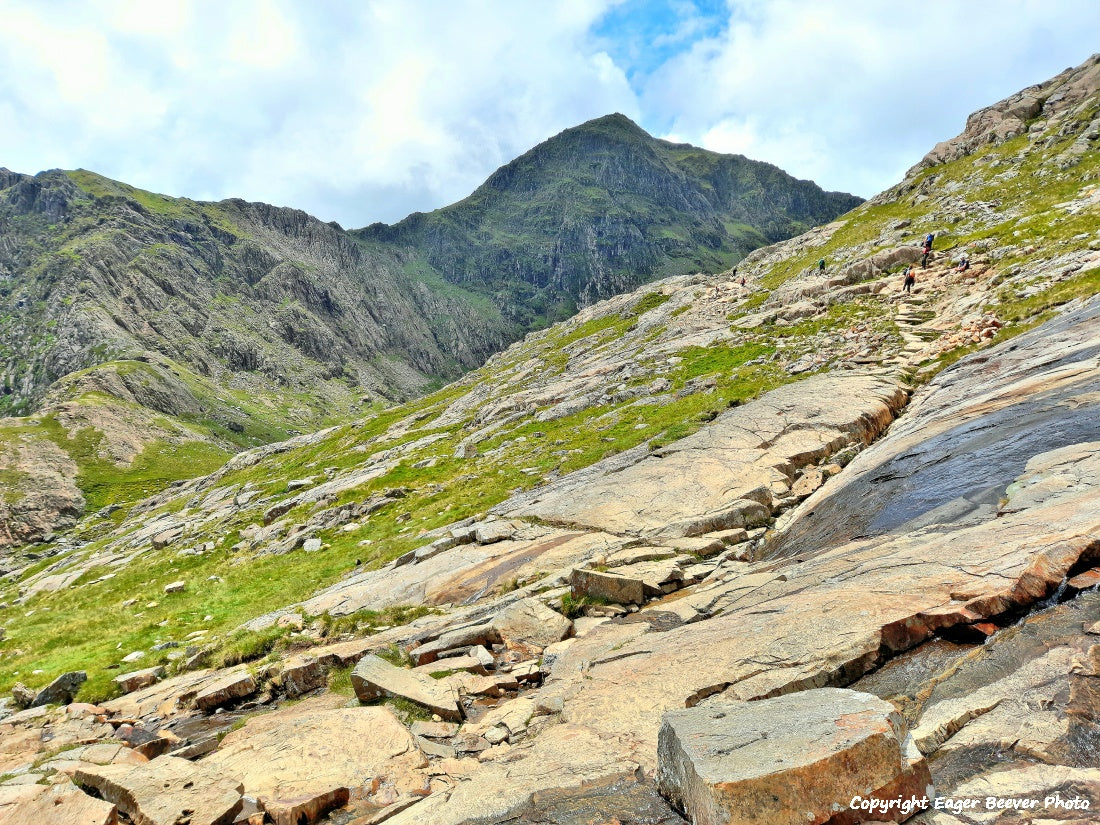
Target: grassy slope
{"type": "Point", "coordinates": [86, 626]}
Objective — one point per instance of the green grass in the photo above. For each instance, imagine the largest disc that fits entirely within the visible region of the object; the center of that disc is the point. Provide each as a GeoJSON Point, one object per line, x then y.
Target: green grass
{"type": "Point", "coordinates": [104, 482]}
{"type": "Point", "coordinates": [339, 681]}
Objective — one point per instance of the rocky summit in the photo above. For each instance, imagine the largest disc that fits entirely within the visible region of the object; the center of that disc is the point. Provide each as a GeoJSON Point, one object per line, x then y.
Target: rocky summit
{"type": "Point", "coordinates": [798, 542]}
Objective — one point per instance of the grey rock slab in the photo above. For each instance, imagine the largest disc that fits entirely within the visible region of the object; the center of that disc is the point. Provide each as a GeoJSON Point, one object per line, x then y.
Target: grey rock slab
{"type": "Point", "coordinates": [966, 439]}
{"type": "Point", "coordinates": [303, 760]}
{"type": "Point", "coordinates": [792, 760]}
{"type": "Point", "coordinates": [490, 532]}
{"type": "Point", "coordinates": [138, 679]}
{"type": "Point", "coordinates": [302, 673]}
{"type": "Point", "coordinates": [166, 791]}
{"type": "Point", "coordinates": [63, 804]}
{"type": "Point", "coordinates": [611, 586]}
{"type": "Point", "coordinates": [723, 476]}
{"type": "Point", "coordinates": [480, 634]}
{"type": "Point", "coordinates": [530, 622]}
{"type": "Point", "coordinates": [374, 678]}
{"type": "Point", "coordinates": [224, 690]}
{"type": "Point", "coordinates": [470, 664]}
{"type": "Point", "coordinates": [434, 730]}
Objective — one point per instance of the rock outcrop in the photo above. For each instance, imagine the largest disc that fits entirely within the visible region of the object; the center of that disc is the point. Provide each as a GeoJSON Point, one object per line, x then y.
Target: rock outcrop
{"type": "Point", "coordinates": [795, 759]}
{"type": "Point", "coordinates": [165, 791]}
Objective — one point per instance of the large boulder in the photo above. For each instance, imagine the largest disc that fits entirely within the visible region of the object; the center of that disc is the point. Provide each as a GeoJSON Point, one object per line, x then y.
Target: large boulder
{"type": "Point", "coordinates": [225, 689]}
{"type": "Point", "coordinates": [606, 586]}
{"type": "Point", "coordinates": [138, 679]}
{"type": "Point", "coordinates": [530, 622]}
{"type": "Point", "coordinates": [165, 791]}
{"type": "Point", "coordinates": [61, 690]}
{"type": "Point", "coordinates": [799, 759]}
{"type": "Point", "coordinates": [375, 678]}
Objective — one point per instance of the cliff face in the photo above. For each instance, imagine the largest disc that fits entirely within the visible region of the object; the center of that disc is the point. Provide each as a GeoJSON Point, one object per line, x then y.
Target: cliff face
{"type": "Point", "coordinates": [701, 497]}
{"type": "Point", "coordinates": [602, 208]}
{"type": "Point", "coordinates": [94, 271]}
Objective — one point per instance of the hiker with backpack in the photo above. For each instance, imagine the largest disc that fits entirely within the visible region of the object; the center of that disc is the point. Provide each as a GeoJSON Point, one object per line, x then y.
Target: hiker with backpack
{"type": "Point", "coordinates": [910, 279]}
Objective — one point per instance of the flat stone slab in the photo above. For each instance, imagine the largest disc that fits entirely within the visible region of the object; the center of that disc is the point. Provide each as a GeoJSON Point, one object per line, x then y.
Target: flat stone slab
{"type": "Point", "coordinates": [608, 586]}
{"type": "Point", "coordinates": [471, 636]}
{"type": "Point", "coordinates": [62, 805]}
{"type": "Point", "coordinates": [224, 690]}
{"type": "Point", "coordinates": [726, 475]}
{"type": "Point", "coordinates": [375, 678]}
{"type": "Point", "coordinates": [166, 791]}
{"type": "Point", "coordinates": [138, 679]}
{"type": "Point", "coordinates": [793, 760]}
{"type": "Point", "coordinates": [303, 760]}
{"type": "Point", "coordinates": [302, 673]}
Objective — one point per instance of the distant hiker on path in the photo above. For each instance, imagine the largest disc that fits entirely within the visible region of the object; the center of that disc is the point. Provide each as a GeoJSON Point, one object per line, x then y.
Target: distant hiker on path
{"type": "Point", "coordinates": [964, 263]}
{"type": "Point", "coordinates": [926, 250]}
{"type": "Point", "coordinates": [910, 279]}
{"type": "Point", "coordinates": [928, 242]}
{"type": "Point", "coordinates": [821, 265]}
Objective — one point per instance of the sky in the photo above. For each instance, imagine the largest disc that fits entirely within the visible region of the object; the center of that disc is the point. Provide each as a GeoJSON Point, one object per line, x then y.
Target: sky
{"type": "Point", "coordinates": [367, 110]}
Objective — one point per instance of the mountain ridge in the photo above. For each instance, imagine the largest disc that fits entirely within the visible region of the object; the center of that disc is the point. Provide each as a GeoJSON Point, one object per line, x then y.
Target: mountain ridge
{"type": "Point", "coordinates": [732, 205]}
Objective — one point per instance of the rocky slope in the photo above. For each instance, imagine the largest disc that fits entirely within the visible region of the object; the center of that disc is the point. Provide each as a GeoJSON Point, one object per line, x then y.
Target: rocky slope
{"type": "Point", "coordinates": [211, 327]}
{"type": "Point", "coordinates": [587, 556]}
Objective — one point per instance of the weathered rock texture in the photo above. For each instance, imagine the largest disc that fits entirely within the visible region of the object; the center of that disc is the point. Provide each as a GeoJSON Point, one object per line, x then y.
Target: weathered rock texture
{"type": "Point", "coordinates": [305, 760]}
{"type": "Point", "coordinates": [794, 759]}
{"type": "Point", "coordinates": [731, 474]}
{"type": "Point", "coordinates": [375, 678]}
{"type": "Point", "coordinates": [166, 791]}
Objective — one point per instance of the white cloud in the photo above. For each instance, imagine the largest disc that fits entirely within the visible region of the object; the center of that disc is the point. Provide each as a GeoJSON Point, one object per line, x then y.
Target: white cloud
{"type": "Point", "coordinates": [852, 92]}
{"type": "Point", "coordinates": [351, 111]}
{"type": "Point", "coordinates": [367, 111]}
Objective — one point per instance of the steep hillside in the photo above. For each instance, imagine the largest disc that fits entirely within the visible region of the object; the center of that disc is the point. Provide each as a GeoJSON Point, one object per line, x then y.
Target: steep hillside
{"type": "Point", "coordinates": [153, 337]}
{"type": "Point", "coordinates": [247, 294]}
{"type": "Point", "coordinates": [586, 556]}
{"type": "Point", "coordinates": [602, 208]}
{"type": "Point", "coordinates": [186, 331]}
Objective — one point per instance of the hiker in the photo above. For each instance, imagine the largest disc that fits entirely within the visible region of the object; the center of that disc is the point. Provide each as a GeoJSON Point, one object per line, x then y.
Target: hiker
{"type": "Point", "coordinates": [924, 258]}
{"type": "Point", "coordinates": [742, 281]}
{"type": "Point", "coordinates": [910, 279]}
{"type": "Point", "coordinates": [964, 263]}
{"type": "Point", "coordinates": [821, 265]}
{"type": "Point", "coordinates": [928, 241]}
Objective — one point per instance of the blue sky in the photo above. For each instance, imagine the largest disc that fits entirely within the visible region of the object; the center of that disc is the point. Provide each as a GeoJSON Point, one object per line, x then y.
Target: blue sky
{"type": "Point", "coordinates": [368, 110]}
